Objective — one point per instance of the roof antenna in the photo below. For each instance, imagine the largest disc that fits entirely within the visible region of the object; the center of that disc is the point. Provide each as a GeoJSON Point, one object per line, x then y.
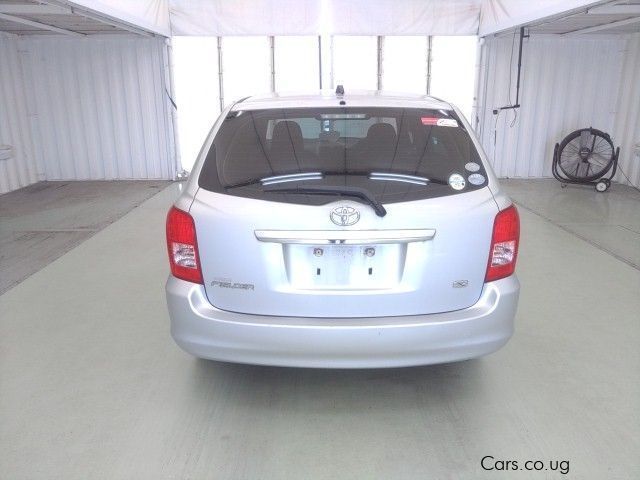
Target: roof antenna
{"type": "Point", "coordinates": [340, 90]}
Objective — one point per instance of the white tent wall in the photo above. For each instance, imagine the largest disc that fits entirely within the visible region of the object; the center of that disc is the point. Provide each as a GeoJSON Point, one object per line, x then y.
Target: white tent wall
{"type": "Point", "coordinates": [557, 95]}
{"type": "Point", "coordinates": [97, 109]}
{"type": "Point", "coordinates": [19, 169]}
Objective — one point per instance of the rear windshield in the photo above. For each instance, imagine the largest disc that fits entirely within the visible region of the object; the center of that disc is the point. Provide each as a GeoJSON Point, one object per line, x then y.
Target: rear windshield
{"type": "Point", "coordinates": [396, 154]}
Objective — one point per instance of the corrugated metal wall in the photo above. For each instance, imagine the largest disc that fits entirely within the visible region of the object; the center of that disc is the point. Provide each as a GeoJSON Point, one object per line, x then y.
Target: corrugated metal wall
{"type": "Point", "coordinates": [627, 124]}
{"type": "Point", "coordinates": [101, 107]}
{"type": "Point", "coordinates": [85, 109]}
{"type": "Point", "coordinates": [567, 83]}
{"type": "Point", "coordinates": [21, 169]}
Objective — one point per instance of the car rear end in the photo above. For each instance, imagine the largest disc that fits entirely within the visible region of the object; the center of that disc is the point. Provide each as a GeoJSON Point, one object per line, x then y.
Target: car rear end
{"type": "Point", "coordinates": [370, 234]}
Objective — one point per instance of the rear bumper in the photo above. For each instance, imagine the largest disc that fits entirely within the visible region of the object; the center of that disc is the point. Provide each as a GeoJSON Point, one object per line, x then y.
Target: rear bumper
{"type": "Point", "coordinates": [207, 332]}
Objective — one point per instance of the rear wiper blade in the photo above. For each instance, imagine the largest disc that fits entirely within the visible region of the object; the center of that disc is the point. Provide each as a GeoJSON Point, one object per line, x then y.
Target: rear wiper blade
{"type": "Point", "coordinates": [290, 177]}
{"type": "Point", "coordinates": [302, 176]}
{"type": "Point", "coordinates": [398, 177]}
{"type": "Point", "coordinates": [343, 191]}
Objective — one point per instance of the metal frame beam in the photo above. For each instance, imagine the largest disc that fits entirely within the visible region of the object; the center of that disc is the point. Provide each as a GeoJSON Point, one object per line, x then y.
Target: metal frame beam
{"type": "Point", "coordinates": [38, 25]}
{"type": "Point", "coordinates": [34, 10]}
{"type": "Point", "coordinates": [628, 9]}
{"type": "Point", "coordinates": [86, 13]}
{"type": "Point", "coordinates": [605, 26]}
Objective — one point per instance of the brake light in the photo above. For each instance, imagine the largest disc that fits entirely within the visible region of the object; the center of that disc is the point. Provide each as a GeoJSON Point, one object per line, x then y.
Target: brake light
{"type": "Point", "coordinates": [183, 246]}
{"type": "Point", "coordinates": [504, 245]}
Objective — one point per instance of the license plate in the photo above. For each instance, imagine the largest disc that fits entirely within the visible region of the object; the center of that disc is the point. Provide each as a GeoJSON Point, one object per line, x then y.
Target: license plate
{"type": "Point", "coordinates": [345, 252]}
{"type": "Point", "coordinates": [344, 266]}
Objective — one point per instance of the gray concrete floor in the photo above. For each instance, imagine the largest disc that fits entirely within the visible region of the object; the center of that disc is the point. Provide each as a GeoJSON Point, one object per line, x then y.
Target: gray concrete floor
{"type": "Point", "coordinates": [91, 385]}
{"type": "Point", "coordinates": [41, 222]}
{"type": "Point", "coordinates": [610, 220]}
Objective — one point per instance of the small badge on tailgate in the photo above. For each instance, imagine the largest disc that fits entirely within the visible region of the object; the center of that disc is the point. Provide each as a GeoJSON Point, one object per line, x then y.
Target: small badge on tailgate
{"type": "Point", "coordinates": [460, 283]}
{"type": "Point", "coordinates": [226, 283]}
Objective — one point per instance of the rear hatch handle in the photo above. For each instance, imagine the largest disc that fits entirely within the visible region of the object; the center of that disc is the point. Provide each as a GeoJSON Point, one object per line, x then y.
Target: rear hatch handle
{"type": "Point", "coordinates": [345, 237]}
{"type": "Point", "coordinates": [356, 192]}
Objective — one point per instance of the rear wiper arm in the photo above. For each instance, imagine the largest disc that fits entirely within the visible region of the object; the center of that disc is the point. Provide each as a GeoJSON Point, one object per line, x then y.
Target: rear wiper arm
{"type": "Point", "coordinates": [354, 192]}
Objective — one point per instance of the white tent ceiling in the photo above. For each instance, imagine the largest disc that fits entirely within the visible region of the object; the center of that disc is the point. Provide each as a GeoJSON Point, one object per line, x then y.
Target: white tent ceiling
{"type": "Point", "coordinates": [315, 17]}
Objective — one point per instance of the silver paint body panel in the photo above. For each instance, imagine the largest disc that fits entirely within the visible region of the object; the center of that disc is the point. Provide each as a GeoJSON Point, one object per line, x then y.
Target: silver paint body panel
{"type": "Point", "coordinates": [377, 342]}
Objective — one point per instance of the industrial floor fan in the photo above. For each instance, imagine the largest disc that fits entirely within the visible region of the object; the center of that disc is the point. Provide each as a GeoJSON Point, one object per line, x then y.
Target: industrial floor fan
{"type": "Point", "coordinates": [586, 156]}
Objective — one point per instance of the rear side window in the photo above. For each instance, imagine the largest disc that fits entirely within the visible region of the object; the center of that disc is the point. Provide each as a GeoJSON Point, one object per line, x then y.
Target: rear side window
{"type": "Point", "coordinates": [398, 154]}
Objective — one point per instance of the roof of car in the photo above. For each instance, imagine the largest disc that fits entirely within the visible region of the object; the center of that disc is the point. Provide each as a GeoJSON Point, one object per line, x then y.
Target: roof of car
{"type": "Point", "coordinates": [328, 98]}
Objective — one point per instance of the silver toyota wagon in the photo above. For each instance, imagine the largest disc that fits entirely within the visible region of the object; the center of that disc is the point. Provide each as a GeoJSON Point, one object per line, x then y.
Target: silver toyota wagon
{"type": "Point", "coordinates": [342, 230]}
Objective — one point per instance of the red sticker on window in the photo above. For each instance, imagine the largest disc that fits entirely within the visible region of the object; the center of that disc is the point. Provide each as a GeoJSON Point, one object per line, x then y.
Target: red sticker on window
{"type": "Point", "coordinates": [440, 122]}
{"type": "Point", "coordinates": [429, 120]}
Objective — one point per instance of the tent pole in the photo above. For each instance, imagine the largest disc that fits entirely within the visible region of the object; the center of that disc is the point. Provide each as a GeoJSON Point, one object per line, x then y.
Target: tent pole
{"type": "Point", "coordinates": [429, 58]}
{"type": "Point", "coordinates": [479, 68]}
{"type": "Point", "coordinates": [380, 60]}
{"type": "Point", "coordinates": [320, 60]}
{"type": "Point", "coordinates": [220, 75]}
{"type": "Point", "coordinates": [272, 46]}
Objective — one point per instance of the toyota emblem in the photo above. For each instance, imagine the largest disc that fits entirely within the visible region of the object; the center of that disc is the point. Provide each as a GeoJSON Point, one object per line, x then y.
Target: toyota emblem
{"type": "Point", "coordinates": [344, 216]}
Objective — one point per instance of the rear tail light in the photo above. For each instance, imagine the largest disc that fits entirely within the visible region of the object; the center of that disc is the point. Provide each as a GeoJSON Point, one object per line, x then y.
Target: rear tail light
{"type": "Point", "coordinates": [183, 246]}
{"type": "Point", "coordinates": [504, 245]}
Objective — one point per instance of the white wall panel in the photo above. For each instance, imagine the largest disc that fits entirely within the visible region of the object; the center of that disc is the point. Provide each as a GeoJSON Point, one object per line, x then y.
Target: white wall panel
{"type": "Point", "coordinates": [15, 128]}
{"type": "Point", "coordinates": [626, 131]}
{"type": "Point", "coordinates": [567, 83]}
{"type": "Point", "coordinates": [101, 107]}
